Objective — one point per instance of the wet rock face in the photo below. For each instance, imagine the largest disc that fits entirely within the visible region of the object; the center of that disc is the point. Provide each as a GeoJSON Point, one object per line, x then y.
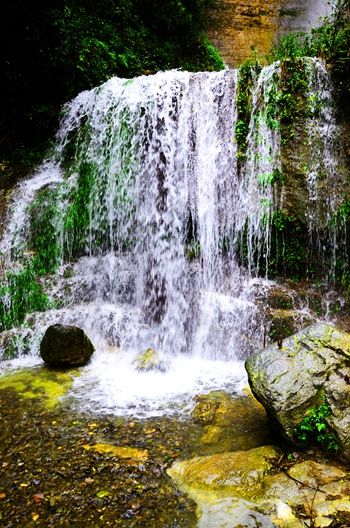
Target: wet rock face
{"type": "Point", "coordinates": [65, 346]}
{"type": "Point", "coordinates": [230, 423]}
{"type": "Point", "coordinates": [311, 371]}
{"type": "Point", "coordinates": [253, 488]}
{"type": "Point", "coordinates": [243, 28]}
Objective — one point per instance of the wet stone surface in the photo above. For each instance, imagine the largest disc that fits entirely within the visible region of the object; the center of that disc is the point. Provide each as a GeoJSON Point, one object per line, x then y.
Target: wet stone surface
{"type": "Point", "coordinates": [49, 478]}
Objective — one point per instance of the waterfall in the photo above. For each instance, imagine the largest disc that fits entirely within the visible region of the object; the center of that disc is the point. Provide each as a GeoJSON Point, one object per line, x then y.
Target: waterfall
{"type": "Point", "coordinates": [142, 213]}
{"type": "Point", "coordinates": [324, 185]}
{"type": "Point", "coordinates": [254, 204]}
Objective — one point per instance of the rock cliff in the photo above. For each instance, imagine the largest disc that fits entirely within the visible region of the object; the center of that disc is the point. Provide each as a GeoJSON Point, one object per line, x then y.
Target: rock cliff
{"type": "Point", "coordinates": [239, 29]}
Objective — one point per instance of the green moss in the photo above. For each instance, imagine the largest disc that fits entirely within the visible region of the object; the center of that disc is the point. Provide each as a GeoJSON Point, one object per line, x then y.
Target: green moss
{"type": "Point", "coordinates": [43, 214]}
{"type": "Point", "coordinates": [47, 385]}
{"type": "Point", "coordinates": [20, 293]}
{"type": "Point", "coordinates": [246, 76]}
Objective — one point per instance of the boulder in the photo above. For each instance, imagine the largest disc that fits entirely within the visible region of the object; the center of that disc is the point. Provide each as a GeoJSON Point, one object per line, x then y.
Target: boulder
{"type": "Point", "coordinates": [65, 346]}
{"type": "Point", "coordinates": [231, 423]}
{"type": "Point", "coordinates": [305, 384]}
{"type": "Point", "coordinates": [260, 488]}
{"type": "Point", "coordinates": [237, 474]}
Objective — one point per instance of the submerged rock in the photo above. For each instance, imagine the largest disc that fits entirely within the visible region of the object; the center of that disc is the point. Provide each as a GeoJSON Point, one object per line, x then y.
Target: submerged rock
{"type": "Point", "coordinates": [254, 488]}
{"type": "Point", "coordinates": [132, 453]}
{"type": "Point", "coordinates": [39, 383]}
{"type": "Point", "coordinates": [65, 346]}
{"type": "Point", "coordinates": [149, 360]}
{"type": "Point", "coordinates": [238, 473]}
{"type": "Point", "coordinates": [231, 423]}
{"type": "Point", "coordinates": [305, 386]}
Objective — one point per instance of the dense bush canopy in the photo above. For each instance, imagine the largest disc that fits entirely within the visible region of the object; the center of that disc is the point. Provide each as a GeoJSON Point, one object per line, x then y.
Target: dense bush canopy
{"type": "Point", "coordinates": [51, 50]}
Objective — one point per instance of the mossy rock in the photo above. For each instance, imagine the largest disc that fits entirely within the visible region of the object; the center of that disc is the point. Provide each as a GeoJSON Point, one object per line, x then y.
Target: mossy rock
{"type": "Point", "coordinates": [303, 382]}
{"type": "Point", "coordinates": [148, 360]}
{"type": "Point", "coordinates": [230, 422]}
{"type": "Point", "coordinates": [65, 346]}
{"type": "Point", "coordinates": [258, 488]}
{"type": "Point", "coordinates": [284, 323]}
{"type": "Point", "coordinates": [237, 473]}
{"type": "Point", "coordinates": [47, 385]}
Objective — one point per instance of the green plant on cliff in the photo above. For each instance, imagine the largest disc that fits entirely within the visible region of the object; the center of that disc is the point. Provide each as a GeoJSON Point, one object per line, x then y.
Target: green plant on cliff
{"type": "Point", "coordinates": [286, 101]}
{"type": "Point", "coordinates": [43, 231]}
{"type": "Point", "coordinates": [269, 178]}
{"type": "Point", "coordinates": [246, 76]}
{"type": "Point", "coordinates": [50, 51]}
{"type": "Point", "coordinates": [314, 428]}
{"type": "Point", "coordinates": [20, 294]}
{"type": "Point", "coordinates": [77, 216]}
{"type": "Point", "coordinates": [340, 226]}
{"type": "Point", "coordinates": [330, 41]}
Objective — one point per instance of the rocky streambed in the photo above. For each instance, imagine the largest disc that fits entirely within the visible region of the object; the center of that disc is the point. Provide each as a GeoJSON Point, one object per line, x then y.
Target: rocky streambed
{"type": "Point", "coordinates": [61, 467]}
{"type": "Point", "coordinates": [222, 466]}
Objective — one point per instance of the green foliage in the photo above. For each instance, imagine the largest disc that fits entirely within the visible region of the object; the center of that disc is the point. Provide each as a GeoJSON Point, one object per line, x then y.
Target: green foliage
{"type": "Point", "coordinates": [193, 250]}
{"type": "Point", "coordinates": [77, 218]}
{"type": "Point", "coordinates": [289, 47]}
{"type": "Point", "coordinates": [314, 428]}
{"type": "Point", "coordinates": [330, 41]}
{"type": "Point", "coordinates": [216, 62]}
{"type": "Point", "coordinates": [43, 232]}
{"type": "Point", "coordinates": [340, 225]}
{"type": "Point", "coordinates": [50, 51]}
{"type": "Point", "coordinates": [246, 76]}
{"type": "Point", "coordinates": [270, 178]}
{"type": "Point", "coordinates": [11, 349]}
{"type": "Point", "coordinates": [14, 345]}
{"type": "Point", "coordinates": [20, 293]}
{"type": "Point", "coordinates": [286, 98]}
{"type": "Point", "coordinates": [343, 213]}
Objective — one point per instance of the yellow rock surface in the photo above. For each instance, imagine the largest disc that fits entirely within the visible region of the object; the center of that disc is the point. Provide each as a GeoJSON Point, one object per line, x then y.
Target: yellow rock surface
{"type": "Point", "coordinates": [40, 382]}
{"type": "Point", "coordinates": [231, 423]}
{"type": "Point", "coordinates": [139, 455]}
{"type": "Point", "coordinates": [233, 489]}
{"type": "Point", "coordinates": [236, 474]}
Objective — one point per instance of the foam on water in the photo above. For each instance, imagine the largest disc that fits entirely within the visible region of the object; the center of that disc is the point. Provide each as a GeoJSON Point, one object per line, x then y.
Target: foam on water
{"type": "Point", "coordinates": [110, 384]}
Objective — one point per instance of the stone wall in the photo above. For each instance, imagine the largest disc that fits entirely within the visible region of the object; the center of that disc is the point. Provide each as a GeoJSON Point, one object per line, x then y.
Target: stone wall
{"type": "Point", "coordinates": [241, 28]}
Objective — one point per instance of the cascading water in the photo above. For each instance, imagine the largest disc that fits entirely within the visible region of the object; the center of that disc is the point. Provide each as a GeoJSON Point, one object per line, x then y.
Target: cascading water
{"type": "Point", "coordinates": [255, 196]}
{"type": "Point", "coordinates": [146, 207]}
{"type": "Point", "coordinates": [324, 185]}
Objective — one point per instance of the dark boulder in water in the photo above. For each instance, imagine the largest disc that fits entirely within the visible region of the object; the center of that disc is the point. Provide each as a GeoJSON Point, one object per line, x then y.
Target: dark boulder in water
{"type": "Point", "coordinates": [65, 346]}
